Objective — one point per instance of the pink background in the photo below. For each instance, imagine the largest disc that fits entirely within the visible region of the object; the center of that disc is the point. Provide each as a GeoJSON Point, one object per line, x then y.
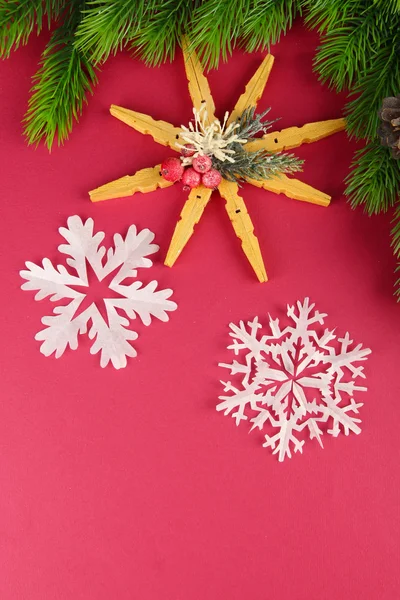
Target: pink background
{"type": "Point", "coordinates": [128, 484]}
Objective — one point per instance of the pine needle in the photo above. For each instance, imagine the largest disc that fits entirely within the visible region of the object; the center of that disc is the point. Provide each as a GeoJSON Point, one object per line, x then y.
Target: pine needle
{"type": "Point", "coordinates": [396, 244]}
{"type": "Point", "coordinates": [161, 30]}
{"type": "Point", "coordinates": [266, 21]}
{"type": "Point", "coordinates": [107, 26]}
{"type": "Point", "coordinates": [344, 53]}
{"type": "Point", "coordinates": [19, 18]}
{"type": "Point", "coordinates": [216, 27]}
{"type": "Point", "coordinates": [60, 86]}
{"type": "Point", "coordinates": [327, 15]}
{"type": "Point", "coordinates": [374, 179]}
{"type": "Point", "coordinates": [255, 165]}
{"type": "Point", "coordinates": [381, 79]}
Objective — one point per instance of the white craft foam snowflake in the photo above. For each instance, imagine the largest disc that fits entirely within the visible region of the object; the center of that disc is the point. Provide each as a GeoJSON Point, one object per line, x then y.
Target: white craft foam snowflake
{"type": "Point", "coordinates": [111, 337]}
{"type": "Point", "coordinates": [294, 380]}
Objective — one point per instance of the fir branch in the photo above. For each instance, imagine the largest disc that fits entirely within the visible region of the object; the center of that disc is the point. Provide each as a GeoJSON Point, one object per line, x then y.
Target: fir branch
{"type": "Point", "coordinates": [216, 27]}
{"type": "Point", "coordinates": [266, 21]}
{"type": "Point", "coordinates": [374, 180]}
{"type": "Point", "coordinates": [327, 15]}
{"type": "Point", "coordinates": [19, 18]}
{"type": "Point", "coordinates": [359, 50]}
{"type": "Point", "coordinates": [250, 123]}
{"type": "Point", "coordinates": [108, 25]}
{"type": "Point", "coordinates": [254, 165]}
{"type": "Point", "coordinates": [396, 244]}
{"type": "Point", "coordinates": [161, 30]}
{"type": "Point", "coordinates": [391, 6]}
{"type": "Point", "coordinates": [345, 51]}
{"type": "Point", "coordinates": [381, 79]}
{"type": "Point", "coordinates": [60, 86]}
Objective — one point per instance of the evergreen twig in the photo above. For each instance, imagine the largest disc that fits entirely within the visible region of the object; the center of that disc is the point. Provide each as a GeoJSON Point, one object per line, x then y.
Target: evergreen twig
{"type": "Point", "coordinates": [19, 18]}
{"type": "Point", "coordinates": [266, 21]}
{"type": "Point", "coordinates": [373, 181]}
{"type": "Point", "coordinates": [162, 30]}
{"type": "Point", "coordinates": [260, 164]}
{"type": "Point", "coordinates": [108, 26]}
{"type": "Point", "coordinates": [396, 244]}
{"type": "Point", "coordinates": [60, 86]}
{"type": "Point", "coordinates": [215, 28]}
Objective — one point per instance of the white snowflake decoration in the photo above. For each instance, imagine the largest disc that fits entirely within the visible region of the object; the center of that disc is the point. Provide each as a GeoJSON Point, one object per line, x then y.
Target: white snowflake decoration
{"type": "Point", "coordinates": [294, 380]}
{"type": "Point", "coordinates": [112, 338]}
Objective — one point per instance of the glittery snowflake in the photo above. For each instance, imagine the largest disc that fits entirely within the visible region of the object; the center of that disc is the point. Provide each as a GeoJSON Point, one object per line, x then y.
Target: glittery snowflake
{"type": "Point", "coordinates": [111, 334]}
{"type": "Point", "coordinates": [294, 381]}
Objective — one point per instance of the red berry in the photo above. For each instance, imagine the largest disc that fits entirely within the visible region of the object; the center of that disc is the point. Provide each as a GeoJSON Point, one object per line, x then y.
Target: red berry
{"type": "Point", "coordinates": [188, 150]}
{"type": "Point", "coordinates": [172, 169]}
{"type": "Point", "coordinates": [202, 164]}
{"type": "Point", "coordinates": [211, 179]}
{"type": "Point", "coordinates": [191, 179]}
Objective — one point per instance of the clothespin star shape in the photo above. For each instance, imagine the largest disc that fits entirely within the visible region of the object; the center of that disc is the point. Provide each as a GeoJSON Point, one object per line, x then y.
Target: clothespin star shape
{"type": "Point", "coordinates": [148, 180]}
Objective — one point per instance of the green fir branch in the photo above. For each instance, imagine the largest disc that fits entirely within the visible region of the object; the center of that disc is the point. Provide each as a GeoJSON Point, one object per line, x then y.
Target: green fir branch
{"type": "Point", "coordinates": [381, 79]}
{"type": "Point", "coordinates": [216, 27]}
{"type": "Point", "coordinates": [107, 26]}
{"type": "Point", "coordinates": [396, 244]}
{"type": "Point", "coordinates": [60, 86]}
{"type": "Point", "coordinates": [266, 21]}
{"type": "Point", "coordinates": [327, 15]}
{"type": "Point", "coordinates": [389, 6]}
{"type": "Point", "coordinates": [161, 30]}
{"type": "Point", "coordinates": [254, 165]}
{"type": "Point", "coordinates": [374, 179]}
{"type": "Point", "coordinates": [345, 52]}
{"type": "Point", "coordinates": [258, 165]}
{"type": "Point", "coordinates": [250, 123]}
{"type": "Point", "coordinates": [19, 18]}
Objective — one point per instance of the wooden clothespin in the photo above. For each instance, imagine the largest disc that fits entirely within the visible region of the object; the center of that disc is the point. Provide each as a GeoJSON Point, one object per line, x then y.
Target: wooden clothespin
{"type": "Point", "coordinates": [147, 180]}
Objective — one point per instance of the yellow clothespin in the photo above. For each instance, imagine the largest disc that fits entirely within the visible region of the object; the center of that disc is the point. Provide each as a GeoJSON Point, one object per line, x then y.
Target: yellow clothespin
{"type": "Point", "coordinates": [166, 134]}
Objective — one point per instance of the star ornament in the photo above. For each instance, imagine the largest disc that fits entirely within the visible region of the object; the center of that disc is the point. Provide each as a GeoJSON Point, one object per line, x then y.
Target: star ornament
{"type": "Point", "coordinates": [147, 180]}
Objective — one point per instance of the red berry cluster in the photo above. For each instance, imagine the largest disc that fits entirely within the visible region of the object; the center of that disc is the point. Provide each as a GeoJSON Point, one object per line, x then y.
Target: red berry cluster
{"type": "Point", "coordinates": [200, 171]}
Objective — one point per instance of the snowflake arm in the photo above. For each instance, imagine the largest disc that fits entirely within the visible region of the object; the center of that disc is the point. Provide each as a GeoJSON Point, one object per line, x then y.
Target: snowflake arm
{"type": "Point", "coordinates": [129, 254]}
{"type": "Point", "coordinates": [82, 245]}
{"type": "Point", "coordinates": [62, 329]}
{"type": "Point", "coordinates": [238, 400]}
{"type": "Point", "coordinates": [246, 339]}
{"type": "Point", "coordinates": [346, 357]}
{"type": "Point", "coordinates": [50, 281]}
{"type": "Point", "coordinates": [112, 339]}
{"type": "Point", "coordinates": [285, 437]}
{"type": "Point", "coordinates": [144, 301]}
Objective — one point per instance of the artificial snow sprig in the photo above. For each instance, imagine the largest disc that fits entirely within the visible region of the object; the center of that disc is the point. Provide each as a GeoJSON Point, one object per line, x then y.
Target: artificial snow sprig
{"type": "Point", "coordinates": [214, 139]}
{"type": "Point", "coordinates": [225, 145]}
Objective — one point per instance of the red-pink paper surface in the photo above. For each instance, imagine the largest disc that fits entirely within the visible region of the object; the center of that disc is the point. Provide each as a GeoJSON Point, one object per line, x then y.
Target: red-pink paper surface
{"type": "Point", "coordinates": [128, 484]}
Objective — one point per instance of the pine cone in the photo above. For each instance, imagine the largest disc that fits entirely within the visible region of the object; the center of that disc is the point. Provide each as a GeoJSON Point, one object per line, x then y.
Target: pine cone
{"type": "Point", "coordinates": [389, 129]}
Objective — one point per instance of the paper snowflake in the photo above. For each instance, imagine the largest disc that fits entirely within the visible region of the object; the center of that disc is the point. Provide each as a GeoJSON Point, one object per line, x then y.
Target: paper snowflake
{"type": "Point", "coordinates": [111, 336]}
{"type": "Point", "coordinates": [294, 380]}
